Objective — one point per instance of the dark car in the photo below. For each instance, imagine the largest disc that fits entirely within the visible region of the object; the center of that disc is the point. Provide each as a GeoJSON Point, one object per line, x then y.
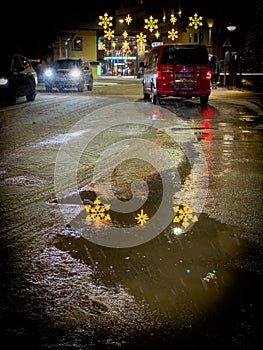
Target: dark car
{"type": "Point", "coordinates": [69, 73]}
{"type": "Point", "coordinates": [17, 78]}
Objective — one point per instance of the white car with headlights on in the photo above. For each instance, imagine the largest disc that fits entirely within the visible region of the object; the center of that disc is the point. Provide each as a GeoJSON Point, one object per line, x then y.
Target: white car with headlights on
{"type": "Point", "coordinates": [69, 73]}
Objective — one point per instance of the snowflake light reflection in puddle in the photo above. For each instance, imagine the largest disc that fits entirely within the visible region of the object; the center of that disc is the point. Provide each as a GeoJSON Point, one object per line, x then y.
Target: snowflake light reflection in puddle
{"type": "Point", "coordinates": [98, 211]}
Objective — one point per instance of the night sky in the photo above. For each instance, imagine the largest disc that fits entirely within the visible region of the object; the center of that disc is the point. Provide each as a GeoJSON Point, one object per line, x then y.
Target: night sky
{"type": "Point", "coordinates": [32, 28]}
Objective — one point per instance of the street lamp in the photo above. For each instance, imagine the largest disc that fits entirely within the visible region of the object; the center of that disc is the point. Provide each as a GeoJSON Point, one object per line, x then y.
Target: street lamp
{"type": "Point", "coordinates": [231, 28]}
{"type": "Point", "coordinates": [231, 60]}
{"type": "Point", "coordinates": [210, 22]}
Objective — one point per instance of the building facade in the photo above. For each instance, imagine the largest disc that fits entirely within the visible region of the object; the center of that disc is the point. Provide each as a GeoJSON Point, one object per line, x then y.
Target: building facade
{"type": "Point", "coordinates": [119, 41]}
{"type": "Point", "coordinates": [126, 38]}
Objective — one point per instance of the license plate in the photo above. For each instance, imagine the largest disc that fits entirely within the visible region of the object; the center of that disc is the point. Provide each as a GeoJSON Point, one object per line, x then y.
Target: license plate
{"type": "Point", "coordinates": [184, 75]}
{"type": "Point", "coordinates": [183, 87]}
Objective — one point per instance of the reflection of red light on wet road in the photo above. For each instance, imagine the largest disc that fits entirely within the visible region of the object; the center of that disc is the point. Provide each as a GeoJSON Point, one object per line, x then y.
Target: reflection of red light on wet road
{"type": "Point", "coordinates": [207, 136]}
{"type": "Point", "coordinates": [206, 125]}
{"type": "Point", "coordinates": [208, 112]}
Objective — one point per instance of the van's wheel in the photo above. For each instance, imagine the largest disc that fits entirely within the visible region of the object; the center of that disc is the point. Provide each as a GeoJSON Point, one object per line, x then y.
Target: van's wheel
{"type": "Point", "coordinates": [155, 99]}
{"type": "Point", "coordinates": [146, 96]}
{"type": "Point", "coordinates": [203, 100]}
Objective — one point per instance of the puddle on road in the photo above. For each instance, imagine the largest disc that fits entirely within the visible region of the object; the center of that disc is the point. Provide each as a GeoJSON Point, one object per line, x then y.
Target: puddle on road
{"type": "Point", "coordinates": [192, 283]}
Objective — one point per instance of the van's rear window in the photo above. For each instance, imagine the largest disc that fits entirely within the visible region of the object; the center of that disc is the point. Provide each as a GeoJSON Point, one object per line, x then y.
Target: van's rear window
{"type": "Point", "coordinates": [184, 55]}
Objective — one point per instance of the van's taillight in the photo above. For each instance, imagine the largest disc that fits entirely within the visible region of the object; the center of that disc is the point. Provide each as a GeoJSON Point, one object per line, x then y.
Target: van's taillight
{"type": "Point", "coordinates": [158, 75]}
{"type": "Point", "coordinates": [208, 75]}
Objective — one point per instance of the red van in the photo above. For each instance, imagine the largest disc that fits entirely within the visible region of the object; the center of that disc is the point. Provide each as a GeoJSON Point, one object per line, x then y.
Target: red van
{"type": "Point", "coordinates": [178, 70]}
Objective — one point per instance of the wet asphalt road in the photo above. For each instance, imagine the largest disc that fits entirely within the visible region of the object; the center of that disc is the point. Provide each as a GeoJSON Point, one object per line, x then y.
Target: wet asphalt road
{"type": "Point", "coordinates": [77, 273]}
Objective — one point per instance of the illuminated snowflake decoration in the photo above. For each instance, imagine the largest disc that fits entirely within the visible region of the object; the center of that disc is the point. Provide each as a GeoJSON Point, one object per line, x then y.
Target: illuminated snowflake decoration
{"type": "Point", "coordinates": [101, 47]}
{"type": "Point", "coordinates": [125, 34]}
{"type": "Point", "coordinates": [172, 34]}
{"type": "Point", "coordinates": [151, 24]}
{"type": "Point", "coordinates": [173, 19]}
{"type": "Point", "coordinates": [128, 19]}
{"type": "Point", "coordinates": [125, 46]}
{"type": "Point", "coordinates": [142, 218]}
{"type": "Point", "coordinates": [109, 34]}
{"type": "Point", "coordinates": [184, 215]}
{"type": "Point", "coordinates": [141, 38]}
{"type": "Point", "coordinates": [195, 21]}
{"type": "Point", "coordinates": [105, 21]}
{"type": "Point", "coordinates": [157, 34]}
{"type": "Point", "coordinates": [98, 211]}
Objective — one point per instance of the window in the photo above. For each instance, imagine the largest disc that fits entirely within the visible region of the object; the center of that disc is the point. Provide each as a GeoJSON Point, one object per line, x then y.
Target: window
{"type": "Point", "coordinates": [152, 58]}
{"type": "Point", "coordinates": [184, 55]}
{"type": "Point", "coordinates": [77, 44]}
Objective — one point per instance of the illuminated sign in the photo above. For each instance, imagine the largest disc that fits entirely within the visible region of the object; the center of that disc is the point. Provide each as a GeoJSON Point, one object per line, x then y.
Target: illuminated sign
{"type": "Point", "coordinates": [129, 58]}
{"type": "Point", "coordinates": [157, 43]}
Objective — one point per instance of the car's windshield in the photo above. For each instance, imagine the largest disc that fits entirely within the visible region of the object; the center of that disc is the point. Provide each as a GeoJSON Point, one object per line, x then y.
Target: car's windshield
{"type": "Point", "coordinates": [184, 55]}
{"type": "Point", "coordinates": [67, 64]}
